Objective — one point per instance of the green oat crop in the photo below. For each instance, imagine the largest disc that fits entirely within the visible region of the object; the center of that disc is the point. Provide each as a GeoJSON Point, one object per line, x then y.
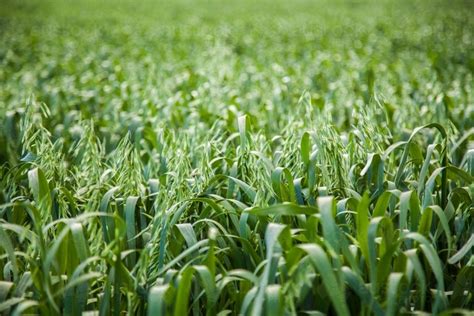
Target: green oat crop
{"type": "Point", "coordinates": [236, 157]}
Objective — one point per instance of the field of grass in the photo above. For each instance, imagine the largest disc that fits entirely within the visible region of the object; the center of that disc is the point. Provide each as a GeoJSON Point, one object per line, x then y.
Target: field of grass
{"type": "Point", "coordinates": [236, 157]}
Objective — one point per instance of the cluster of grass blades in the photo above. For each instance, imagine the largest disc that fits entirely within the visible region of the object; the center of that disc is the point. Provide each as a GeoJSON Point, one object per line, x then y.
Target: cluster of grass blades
{"type": "Point", "coordinates": [403, 244]}
{"type": "Point", "coordinates": [198, 161]}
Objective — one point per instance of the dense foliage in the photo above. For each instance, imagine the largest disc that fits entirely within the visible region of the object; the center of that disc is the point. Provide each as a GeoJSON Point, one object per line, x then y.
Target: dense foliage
{"type": "Point", "coordinates": [236, 157]}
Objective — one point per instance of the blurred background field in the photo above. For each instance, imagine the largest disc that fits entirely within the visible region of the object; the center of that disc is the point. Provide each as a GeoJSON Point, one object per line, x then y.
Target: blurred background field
{"type": "Point", "coordinates": [119, 61]}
